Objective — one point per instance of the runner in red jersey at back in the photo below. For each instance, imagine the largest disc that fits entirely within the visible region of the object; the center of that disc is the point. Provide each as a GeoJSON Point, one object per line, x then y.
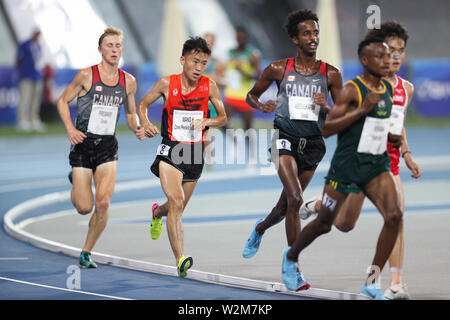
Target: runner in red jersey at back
{"type": "Point", "coordinates": [401, 102]}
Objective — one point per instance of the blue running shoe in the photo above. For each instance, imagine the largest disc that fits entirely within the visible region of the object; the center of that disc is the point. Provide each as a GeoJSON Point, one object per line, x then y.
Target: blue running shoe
{"type": "Point", "coordinates": [289, 272]}
{"type": "Point", "coordinates": [302, 284]}
{"type": "Point", "coordinates": [373, 291]}
{"type": "Point", "coordinates": [252, 244]}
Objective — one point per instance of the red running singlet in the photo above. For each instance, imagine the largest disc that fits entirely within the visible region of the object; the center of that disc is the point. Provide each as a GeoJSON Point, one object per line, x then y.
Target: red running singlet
{"type": "Point", "coordinates": [180, 110]}
{"type": "Point", "coordinates": [401, 100]}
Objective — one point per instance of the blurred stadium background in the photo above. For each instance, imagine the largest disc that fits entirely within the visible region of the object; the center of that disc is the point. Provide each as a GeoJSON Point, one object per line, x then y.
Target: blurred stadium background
{"type": "Point", "coordinates": [154, 31]}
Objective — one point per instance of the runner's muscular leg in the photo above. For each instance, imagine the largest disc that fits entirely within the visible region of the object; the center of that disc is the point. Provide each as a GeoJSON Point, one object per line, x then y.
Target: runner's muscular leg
{"type": "Point", "coordinates": [171, 183]}
{"type": "Point", "coordinates": [396, 258]}
{"type": "Point", "coordinates": [321, 224]}
{"type": "Point", "coordinates": [81, 195]}
{"type": "Point", "coordinates": [104, 180]}
{"type": "Point", "coordinates": [350, 212]}
{"type": "Point", "coordinates": [382, 191]}
{"type": "Point", "coordinates": [292, 188]}
{"type": "Point", "coordinates": [279, 211]}
{"type": "Point", "coordinates": [188, 188]}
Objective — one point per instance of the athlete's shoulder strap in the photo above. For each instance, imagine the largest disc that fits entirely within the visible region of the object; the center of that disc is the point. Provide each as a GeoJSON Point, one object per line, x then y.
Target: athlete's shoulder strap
{"type": "Point", "coordinates": [122, 81]}
{"type": "Point", "coordinates": [289, 65]}
{"type": "Point", "coordinates": [358, 86]}
{"type": "Point", "coordinates": [173, 80]}
{"type": "Point", "coordinates": [323, 68]}
{"type": "Point", "coordinates": [204, 80]}
{"type": "Point", "coordinates": [95, 74]}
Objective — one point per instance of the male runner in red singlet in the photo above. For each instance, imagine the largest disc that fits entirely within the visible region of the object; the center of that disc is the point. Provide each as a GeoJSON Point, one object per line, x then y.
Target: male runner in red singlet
{"type": "Point", "coordinates": [100, 91]}
{"type": "Point", "coordinates": [179, 158]}
{"type": "Point", "coordinates": [396, 37]}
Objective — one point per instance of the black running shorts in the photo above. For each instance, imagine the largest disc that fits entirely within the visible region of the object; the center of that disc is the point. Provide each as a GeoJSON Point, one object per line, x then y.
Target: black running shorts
{"type": "Point", "coordinates": [307, 151]}
{"type": "Point", "coordinates": [187, 158]}
{"type": "Point", "coordinates": [93, 152]}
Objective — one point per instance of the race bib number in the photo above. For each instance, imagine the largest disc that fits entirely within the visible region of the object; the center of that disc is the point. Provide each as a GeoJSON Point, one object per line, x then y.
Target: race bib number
{"type": "Point", "coordinates": [103, 120]}
{"type": "Point", "coordinates": [283, 144]}
{"type": "Point", "coordinates": [374, 135]}
{"type": "Point", "coordinates": [181, 126]}
{"type": "Point", "coordinates": [163, 150]}
{"type": "Point", "coordinates": [234, 79]}
{"type": "Point", "coordinates": [303, 108]}
{"type": "Point", "coordinates": [396, 120]}
{"type": "Point", "coordinates": [328, 202]}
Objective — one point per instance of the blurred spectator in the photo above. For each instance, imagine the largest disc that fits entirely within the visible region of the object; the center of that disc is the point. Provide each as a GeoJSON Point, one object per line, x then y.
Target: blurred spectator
{"type": "Point", "coordinates": [30, 84]}
{"type": "Point", "coordinates": [48, 106]}
{"type": "Point", "coordinates": [216, 68]}
{"type": "Point", "coordinates": [243, 69]}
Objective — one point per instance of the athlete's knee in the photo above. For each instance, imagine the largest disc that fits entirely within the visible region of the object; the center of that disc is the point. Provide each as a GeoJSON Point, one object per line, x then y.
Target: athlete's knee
{"type": "Point", "coordinates": [176, 203]}
{"type": "Point", "coordinates": [344, 226]}
{"type": "Point", "coordinates": [394, 219]}
{"type": "Point", "coordinates": [83, 205]}
{"type": "Point", "coordinates": [83, 209]}
{"type": "Point", "coordinates": [102, 204]}
{"type": "Point", "coordinates": [323, 226]}
{"type": "Point", "coordinates": [294, 200]}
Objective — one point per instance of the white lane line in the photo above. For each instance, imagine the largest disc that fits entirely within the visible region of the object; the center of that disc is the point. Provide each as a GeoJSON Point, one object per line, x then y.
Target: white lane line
{"type": "Point", "coordinates": [34, 185]}
{"type": "Point", "coordinates": [57, 197]}
{"type": "Point", "coordinates": [63, 289]}
{"type": "Point", "coordinates": [13, 258]}
{"type": "Point", "coordinates": [428, 163]}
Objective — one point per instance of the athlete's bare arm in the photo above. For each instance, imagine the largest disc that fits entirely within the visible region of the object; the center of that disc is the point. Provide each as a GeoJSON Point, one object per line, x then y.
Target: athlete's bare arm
{"type": "Point", "coordinates": [130, 107]}
{"type": "Point", "coordinates": [273, 72]}
{"type": "Point", "coordinates": [346, 111]}
{"type": "Point", "coordinates": [216, 100]}
{"type": "Point", "coordinates": [80, 85]}
{"type": "Point", "coordinates": [334, 82]}
{"type": "Point", "coordinates": [334, 85]}
{"type": "Point", "coordinates": [160, 89]}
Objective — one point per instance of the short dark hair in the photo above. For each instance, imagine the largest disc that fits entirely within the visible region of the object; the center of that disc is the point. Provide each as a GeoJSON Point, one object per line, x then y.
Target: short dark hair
{"type": "Point", "coordinates": [295, 17]}
{"type": "Point", "coordinates": [368, 41]}
{"type": "Point", "coordinates": [390, 29]}
{"type": "Point", "coordinates": [198, 44]}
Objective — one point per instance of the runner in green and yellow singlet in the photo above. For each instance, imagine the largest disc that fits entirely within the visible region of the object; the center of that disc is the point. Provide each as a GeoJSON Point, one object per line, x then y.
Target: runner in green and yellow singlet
{"type": "Point", "coordinates": [243, 70]}
{"type": "Point", "coordinates": [361, 153]}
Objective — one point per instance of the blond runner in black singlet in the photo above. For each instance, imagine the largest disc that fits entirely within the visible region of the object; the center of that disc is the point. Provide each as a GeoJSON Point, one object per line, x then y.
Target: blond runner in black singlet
{"type": "Point", "coordinates": [100, 92]}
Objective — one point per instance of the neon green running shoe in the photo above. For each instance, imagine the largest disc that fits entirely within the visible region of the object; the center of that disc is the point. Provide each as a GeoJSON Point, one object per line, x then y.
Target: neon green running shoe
{"type": "Point", "coordinates": [156, 226]}
{"type": "Point", "coordinates": [183, 265]}
{"type": "Point", "coordinates": [86, 261]}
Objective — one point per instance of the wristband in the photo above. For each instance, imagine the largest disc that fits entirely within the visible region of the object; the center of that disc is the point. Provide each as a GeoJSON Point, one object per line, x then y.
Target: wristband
{"type": "Point", "coordinates": [403, 153]}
